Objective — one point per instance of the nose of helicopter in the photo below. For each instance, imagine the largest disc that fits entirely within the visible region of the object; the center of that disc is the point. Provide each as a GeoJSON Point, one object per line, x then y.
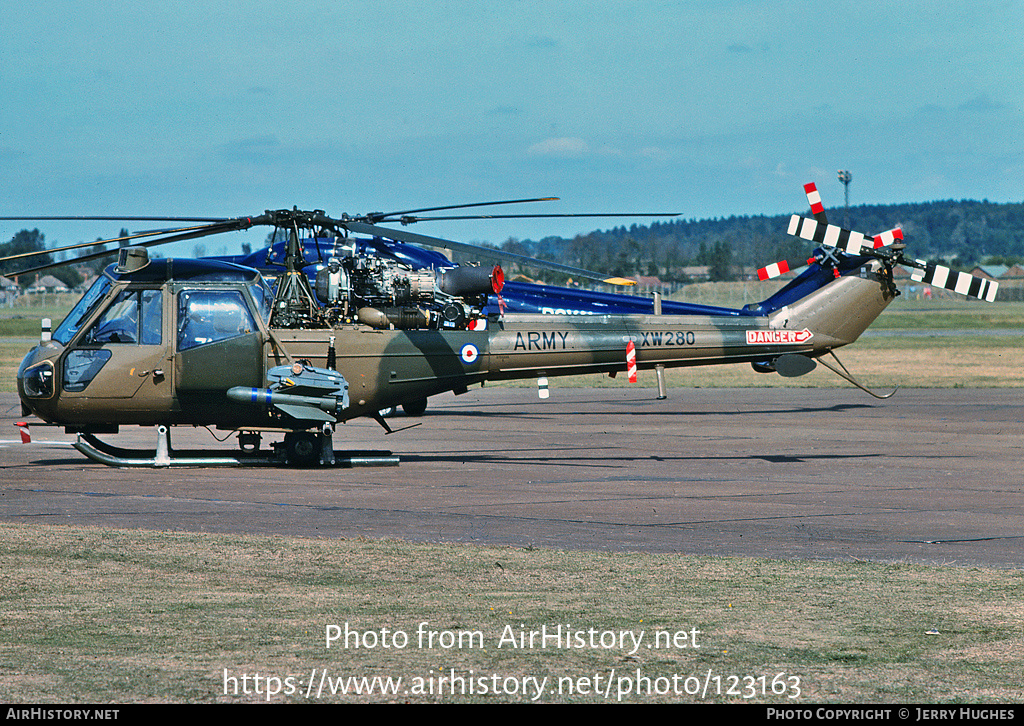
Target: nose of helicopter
{"type": "Point", "coordinates": [36, 378]}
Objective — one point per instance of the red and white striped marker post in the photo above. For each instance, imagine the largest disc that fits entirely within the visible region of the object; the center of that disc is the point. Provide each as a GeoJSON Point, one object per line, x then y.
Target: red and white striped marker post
{"type": "Point", "coordinates": [26, 435]}
{"type": "Point", "coordinates": [631, 361]}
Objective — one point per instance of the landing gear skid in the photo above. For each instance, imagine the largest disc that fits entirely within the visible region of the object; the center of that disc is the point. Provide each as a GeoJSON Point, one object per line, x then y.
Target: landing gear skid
{"type": "Point", "coordinates": [300, 448]}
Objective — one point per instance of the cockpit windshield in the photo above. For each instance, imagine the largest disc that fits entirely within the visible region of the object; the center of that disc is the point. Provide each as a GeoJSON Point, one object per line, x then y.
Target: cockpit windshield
{"type": "Point", "coordinates": [82, 310]}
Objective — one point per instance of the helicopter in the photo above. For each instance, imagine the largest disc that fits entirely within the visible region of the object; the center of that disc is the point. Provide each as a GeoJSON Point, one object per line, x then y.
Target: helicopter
{"type": "Point", "coordinates": [197, 342]}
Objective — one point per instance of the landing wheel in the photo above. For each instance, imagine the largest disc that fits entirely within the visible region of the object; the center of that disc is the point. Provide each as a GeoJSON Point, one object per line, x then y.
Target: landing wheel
{"type": "Point", "coordinates": [302, 447]}
{"type": "Point", "coordinates": [415, 408]}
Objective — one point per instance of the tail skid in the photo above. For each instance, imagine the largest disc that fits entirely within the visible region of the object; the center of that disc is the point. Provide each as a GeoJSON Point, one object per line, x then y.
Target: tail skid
{"type": "Point", "coordinates": [846, 375]}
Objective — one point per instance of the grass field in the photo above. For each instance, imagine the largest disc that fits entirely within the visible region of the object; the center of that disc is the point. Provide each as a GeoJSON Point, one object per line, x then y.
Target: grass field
{"type": "Point", "coordinates": [108, 616]}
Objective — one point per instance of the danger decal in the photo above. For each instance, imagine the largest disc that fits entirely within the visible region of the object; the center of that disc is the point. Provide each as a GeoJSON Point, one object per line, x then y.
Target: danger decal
{"type": "Point", "coordinates": [783, 337]}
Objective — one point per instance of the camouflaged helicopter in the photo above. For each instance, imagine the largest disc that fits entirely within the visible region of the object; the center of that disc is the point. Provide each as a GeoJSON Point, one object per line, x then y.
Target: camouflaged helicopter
{"type": "Point", "coordinates": [183, 342]}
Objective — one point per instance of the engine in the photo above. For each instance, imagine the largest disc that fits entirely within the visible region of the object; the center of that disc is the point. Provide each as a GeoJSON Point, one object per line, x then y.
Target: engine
{"type": "Point", "coordinates": [384, 293]}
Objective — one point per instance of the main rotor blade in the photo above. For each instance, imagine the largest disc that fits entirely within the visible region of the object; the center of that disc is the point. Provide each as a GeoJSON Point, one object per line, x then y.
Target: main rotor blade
{"type": "Point", "coordinates": [81, 245]}
{"type": "Point", "coordinates": [410, 220]}
{"type": "Point", "coordinates": [229, 225]}
{"type": "Point", "coordinates": [376, 217]}
{"type": "Point", "coordinates": [419, 239]}
{"type": "Point", "coordinates": [114, 219]}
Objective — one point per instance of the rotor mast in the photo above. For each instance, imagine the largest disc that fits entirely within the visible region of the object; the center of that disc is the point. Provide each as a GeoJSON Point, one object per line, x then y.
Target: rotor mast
{"type": "Point", "coordinates": [294, 303]}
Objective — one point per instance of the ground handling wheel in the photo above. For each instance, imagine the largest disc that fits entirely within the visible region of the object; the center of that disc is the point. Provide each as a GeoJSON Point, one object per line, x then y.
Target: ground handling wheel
{"type": "Point", "coordinates": [415, 408]}
{"type": "Point", "coordinates": [302, 448]}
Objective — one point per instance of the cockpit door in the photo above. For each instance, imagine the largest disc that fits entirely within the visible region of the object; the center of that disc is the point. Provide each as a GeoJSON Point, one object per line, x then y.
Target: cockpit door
{"type": "Point", "coordinates": [219, 344]}
{"type": "Point", "coordinates": [122, 356]}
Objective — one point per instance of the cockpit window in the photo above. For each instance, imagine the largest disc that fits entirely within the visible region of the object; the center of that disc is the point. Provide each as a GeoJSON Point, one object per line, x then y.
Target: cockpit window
{"type": "Point", "coordinates": [264, 297]}
{"type": "Point", "coordinates": [82, 310]}
{"type": "Point", "coordinates": [135, 317]}
{"type": "Point", "coordinates": [206, 316]}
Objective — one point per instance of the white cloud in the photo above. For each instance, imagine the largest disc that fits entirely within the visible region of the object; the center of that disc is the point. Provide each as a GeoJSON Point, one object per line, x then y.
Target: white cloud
{"type": "Point", "coordinates": [655, 153]}
{"type": "Point", "coordinates": [566, 147]}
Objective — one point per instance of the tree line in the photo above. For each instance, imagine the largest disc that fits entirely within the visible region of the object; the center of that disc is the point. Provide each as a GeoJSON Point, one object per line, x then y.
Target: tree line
{"type": "Point", "coordinates": [960, 234]}
{"type": "Point", "coordinates": [72, 275]}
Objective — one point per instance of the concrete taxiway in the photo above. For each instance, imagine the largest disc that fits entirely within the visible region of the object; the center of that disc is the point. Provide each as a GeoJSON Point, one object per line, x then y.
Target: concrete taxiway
{"type": "Point", "coordinates": [929, 476]}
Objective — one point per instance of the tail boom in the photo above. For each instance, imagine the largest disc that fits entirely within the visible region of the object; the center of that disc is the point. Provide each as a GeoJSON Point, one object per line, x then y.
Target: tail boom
{"type": "Point", "coordinates": [839, 312]}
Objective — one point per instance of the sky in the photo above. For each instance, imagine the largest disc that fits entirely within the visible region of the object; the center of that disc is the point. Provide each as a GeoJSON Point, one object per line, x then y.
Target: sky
{"type": "Point", "coordinates": [707, 109]}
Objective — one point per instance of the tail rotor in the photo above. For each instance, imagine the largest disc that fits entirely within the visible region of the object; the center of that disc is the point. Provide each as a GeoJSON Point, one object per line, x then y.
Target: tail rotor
{"type": "Point", "coordinates": [834, 242]}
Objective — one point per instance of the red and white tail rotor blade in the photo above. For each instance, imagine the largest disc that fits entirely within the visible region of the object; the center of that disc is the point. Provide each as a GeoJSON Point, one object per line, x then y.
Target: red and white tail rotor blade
{"type": "Point", "coordinates": [818, 212]}
{"type": "Point", "coordinates": [889, 237]}
{"type": "Point", "coordinates": [814, 198]}
{"type": "Point", "coordinates": [777, 269]}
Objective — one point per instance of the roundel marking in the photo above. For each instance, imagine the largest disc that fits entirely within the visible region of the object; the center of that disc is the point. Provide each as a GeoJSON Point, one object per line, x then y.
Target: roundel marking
{"type": "Point", "coordinates": [469, 353]}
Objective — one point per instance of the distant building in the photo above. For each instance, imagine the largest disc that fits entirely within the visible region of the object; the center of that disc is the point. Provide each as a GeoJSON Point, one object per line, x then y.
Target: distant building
{"type": "Point", "coordinates": [9, 290]}
{"type": "Point", "coordinates": [648, 284]}
{"type": "Point", "coordinates": [990, 272]}
{"type": "Point", "coordinates": [48, 283]}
